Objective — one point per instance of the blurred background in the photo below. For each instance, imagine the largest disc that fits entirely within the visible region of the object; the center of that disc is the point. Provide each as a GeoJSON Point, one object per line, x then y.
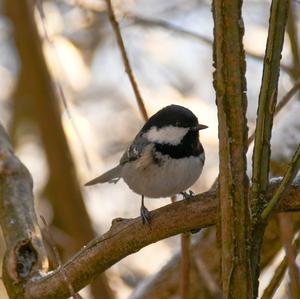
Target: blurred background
{"type": "Point", "coordinates": [71, 112]}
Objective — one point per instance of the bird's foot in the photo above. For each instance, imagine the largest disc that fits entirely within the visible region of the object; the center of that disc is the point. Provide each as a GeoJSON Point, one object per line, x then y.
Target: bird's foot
{"type": "Point", "coordinates": [187, 195]}
{"type": "Point", "coordinates": [145, 215]}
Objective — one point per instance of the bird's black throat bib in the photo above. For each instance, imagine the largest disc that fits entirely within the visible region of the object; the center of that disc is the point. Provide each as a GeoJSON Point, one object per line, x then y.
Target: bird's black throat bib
{"type": "Point", "coordinates": [189, 146]}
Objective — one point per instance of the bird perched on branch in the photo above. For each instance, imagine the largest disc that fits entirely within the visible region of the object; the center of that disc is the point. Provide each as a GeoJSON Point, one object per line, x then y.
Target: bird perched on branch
{"type": "Point", "coordinates": [164, 159]}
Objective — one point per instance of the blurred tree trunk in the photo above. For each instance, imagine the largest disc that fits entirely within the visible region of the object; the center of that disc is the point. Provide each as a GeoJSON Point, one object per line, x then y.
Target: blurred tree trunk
{"type": "Point", "coordinates": [36, 91]}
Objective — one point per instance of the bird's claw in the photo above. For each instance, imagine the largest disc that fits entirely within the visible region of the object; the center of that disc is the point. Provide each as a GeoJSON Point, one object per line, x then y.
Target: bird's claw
{"type": "Point", "coordinates": [187, 195]}
{"type": "Point", "coordinates": [145, 214]}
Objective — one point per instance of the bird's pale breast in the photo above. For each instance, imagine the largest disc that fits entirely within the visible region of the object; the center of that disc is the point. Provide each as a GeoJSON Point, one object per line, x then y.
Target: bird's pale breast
{"type": "Point", "coordinates": [163, 178]}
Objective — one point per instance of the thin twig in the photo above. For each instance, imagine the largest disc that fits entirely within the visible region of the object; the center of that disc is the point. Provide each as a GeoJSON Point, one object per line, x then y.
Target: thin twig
{"type": "Point", "coordinates": [286, 98]}
{"type": "Point", "coordinates": [287, 235]}
{"type": "Point", "coordinates": [59, 88]}
{"type": "Point", "coordinates": [116, 28]}
{"type": "Point", "coordinates": [292, 31]}
{"type": "Point", "coordinates": [185, 266]}
{"type": "Point", "coordinates": [206, 276]}
{"type": "Point", "coordinates": [278, 275]}
{"type": "Point", "coordinates": [58, 261]}
{"type": "Point", "coordinates": [185, 241]}
{"type": "Point", "coordinates": [139, 20]}
{"type": "Point", "coordinates": [286, 181]}
{"type": "Point", "coordinates": [147, 22]}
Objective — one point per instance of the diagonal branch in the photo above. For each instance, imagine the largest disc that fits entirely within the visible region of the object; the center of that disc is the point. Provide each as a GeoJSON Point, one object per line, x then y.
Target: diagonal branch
{"type": "Point", "coordinates": [282, 103]}
{"type": "Point", "coordinates": [143, 21]}
{"type": "Point", "coordinates": [127, 65]}
{"type": "Point", "coordinates": [286, 181]}
{"type": "Point", "coordinates": [287, 235]}
{"type": "Point", "coordinates": [127, 236]}
{"type": "Point", "coordinates": [279, 273]}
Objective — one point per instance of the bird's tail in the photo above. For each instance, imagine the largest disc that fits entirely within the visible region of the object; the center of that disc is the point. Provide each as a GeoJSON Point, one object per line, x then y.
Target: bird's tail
{"type": "Point", "coordinates": [111, 176]}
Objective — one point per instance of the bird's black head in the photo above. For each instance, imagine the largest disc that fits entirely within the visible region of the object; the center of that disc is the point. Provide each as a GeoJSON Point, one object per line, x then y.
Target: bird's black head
{"type": "Point", "coordinates": [175, 132]}
{"type": "Point", "coordinates": [173, 115]}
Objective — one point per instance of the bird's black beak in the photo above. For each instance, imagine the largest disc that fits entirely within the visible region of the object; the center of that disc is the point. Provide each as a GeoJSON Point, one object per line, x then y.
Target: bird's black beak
{"type": "Point", "coordinates": [200, 127]}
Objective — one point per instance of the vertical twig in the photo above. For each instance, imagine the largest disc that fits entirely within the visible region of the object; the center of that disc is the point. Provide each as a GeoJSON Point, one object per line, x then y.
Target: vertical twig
{"type": "Point", "coordinates": [184, 288]}
{"type": "Point", "coordinates": [230, 86]}
{"type": "Point", "coordinates": [267, 103]}
{"type": "Point", "coordinates": [185, 260]}
{"type": "Point", "coordinates": [116, 28]}
{"type": "Point", "coordinates": [292, 31]}
{"type": "Point", "coordinates": [264, 122]}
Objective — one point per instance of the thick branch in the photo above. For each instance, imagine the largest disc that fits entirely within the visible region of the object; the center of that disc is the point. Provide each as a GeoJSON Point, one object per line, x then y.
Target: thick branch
{"type": "Point", "coordinates": [25, 254]}
{"type": "Point", "coordinates": [127, 236]}
{"type": "Point", "coordinates": [230, 86]}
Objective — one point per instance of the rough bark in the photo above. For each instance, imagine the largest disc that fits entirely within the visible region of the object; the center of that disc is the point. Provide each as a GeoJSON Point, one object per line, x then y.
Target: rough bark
{"type": "Point", "coordinates": [25, 253]}
{"type": "Point", "coordinates": [230, 86]}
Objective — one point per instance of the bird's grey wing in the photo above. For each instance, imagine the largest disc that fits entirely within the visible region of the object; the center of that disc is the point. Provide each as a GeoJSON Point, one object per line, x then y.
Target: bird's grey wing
{"type": "Point", "coordinates": [135, 150]}
{"type": "Point", "coordinates": [133, 153]}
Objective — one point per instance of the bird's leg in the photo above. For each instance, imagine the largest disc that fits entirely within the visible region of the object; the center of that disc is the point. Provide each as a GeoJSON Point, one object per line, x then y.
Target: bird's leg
{"type": "Point", "coordinates": [187, 195]}
{"type": "Point", "coordinates": [145, 214]}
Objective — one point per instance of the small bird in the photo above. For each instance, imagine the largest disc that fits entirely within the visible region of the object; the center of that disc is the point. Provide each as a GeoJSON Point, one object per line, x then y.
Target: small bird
{"type": "Point", "coordinates": [164, 159]}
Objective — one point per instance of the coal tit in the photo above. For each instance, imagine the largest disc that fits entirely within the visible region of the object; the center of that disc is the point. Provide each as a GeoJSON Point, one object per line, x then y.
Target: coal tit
{"type": "Point", "coordinates": [164, 159]}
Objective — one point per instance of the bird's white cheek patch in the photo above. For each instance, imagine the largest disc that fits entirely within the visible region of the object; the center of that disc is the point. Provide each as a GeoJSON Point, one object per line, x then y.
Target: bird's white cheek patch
{"type": "Point", "coordinates": [169, 134]}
